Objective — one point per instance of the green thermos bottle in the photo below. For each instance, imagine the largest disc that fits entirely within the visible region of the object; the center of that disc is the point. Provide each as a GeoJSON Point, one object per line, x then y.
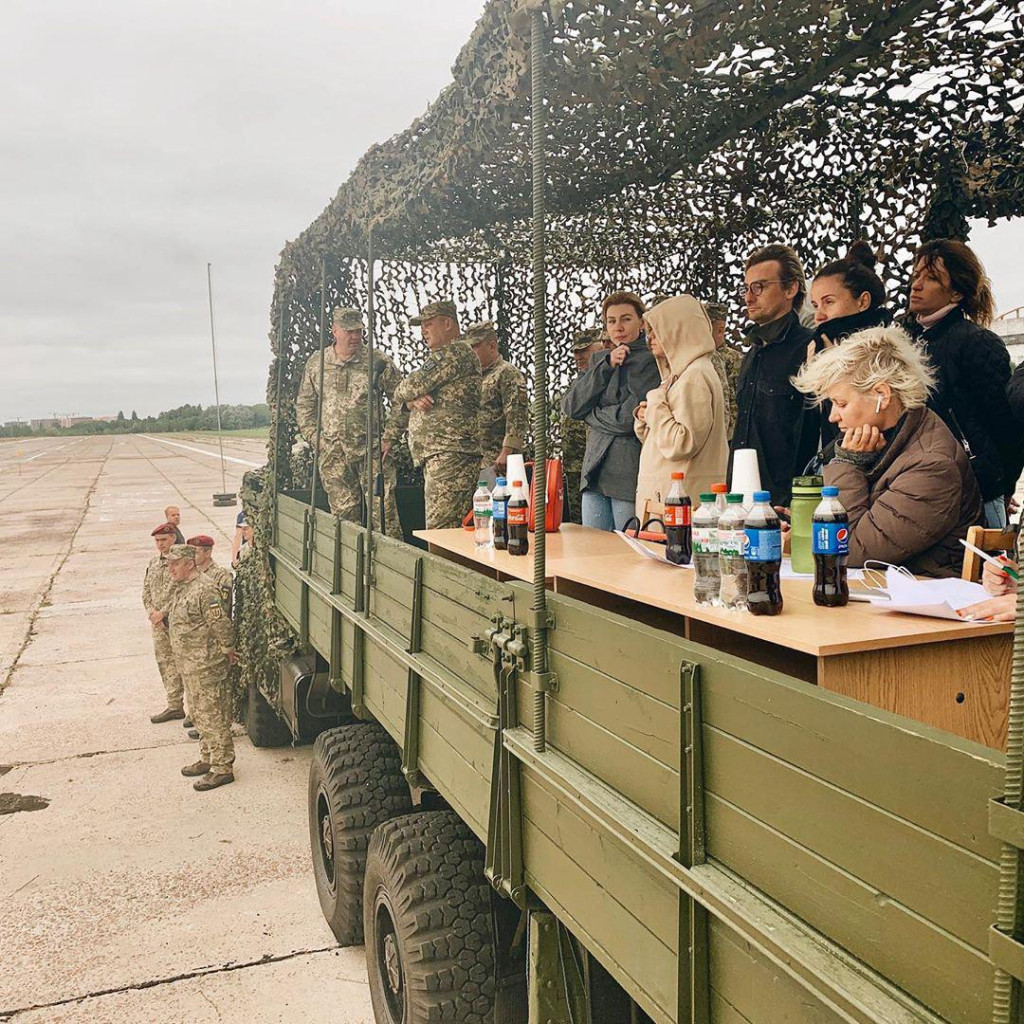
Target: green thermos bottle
{"type": "Point", "coordinates": [806, 496]}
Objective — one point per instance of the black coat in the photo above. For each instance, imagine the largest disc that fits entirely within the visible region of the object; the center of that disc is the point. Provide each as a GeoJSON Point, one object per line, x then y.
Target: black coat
{"type": "Point", "coordinates": [771, 415]}
{"type": "Point", "coordinates": [973, 369]}
{"type": "Point", "coordinates": [837, 330]}
{"type": "Point", "coordinates": [604, 397]}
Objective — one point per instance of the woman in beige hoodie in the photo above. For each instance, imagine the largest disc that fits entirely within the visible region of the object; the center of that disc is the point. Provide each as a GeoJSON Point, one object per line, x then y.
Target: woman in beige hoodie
{"type": "Point", "coordinates": [682, 423]}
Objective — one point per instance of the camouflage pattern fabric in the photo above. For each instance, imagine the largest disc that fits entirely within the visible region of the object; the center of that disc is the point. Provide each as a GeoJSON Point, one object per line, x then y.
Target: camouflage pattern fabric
{"type": "Point", "coordinates": [156, 596]}
{"type": "Point", "coordinates": [449, 480]}
{"type": "Point", "coordinates": [201, 636]}
{"type": "Point", "coordinates": [344, 480]}
{"type": "Point", "coordinates": [451, 376]}
{"type": "Point", "coordinates": [504, 411]}
{"type": "Point", "coordinates": [223, 580]}
{"type": "Point", "coordinates": [727, 363]}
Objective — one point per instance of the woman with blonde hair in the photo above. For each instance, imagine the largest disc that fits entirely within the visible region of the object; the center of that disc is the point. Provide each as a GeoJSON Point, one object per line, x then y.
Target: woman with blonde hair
{"type": "Point", "coordinates": [681, 425]}
{"type": "Point", "coordinates": [904, 479]}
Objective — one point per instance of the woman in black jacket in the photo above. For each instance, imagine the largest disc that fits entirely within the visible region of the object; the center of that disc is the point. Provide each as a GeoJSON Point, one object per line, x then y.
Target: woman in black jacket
{"type": "Point", "coordinates": [950, 308]}
{"type": "Point", "coordinates": [847, 296]}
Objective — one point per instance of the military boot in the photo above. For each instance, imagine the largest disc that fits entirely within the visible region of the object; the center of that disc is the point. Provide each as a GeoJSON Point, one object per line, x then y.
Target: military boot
{"type": "Point", "coordinates": [199, 768]}
{"type": "Point", "coordinates": [193, 734]}
{"type": "Point", "coordinates": [211, 781]}
{"type": "Point", "coordinates": [167, 715]}
{"type": "Point", "coordinates": [188, 723]}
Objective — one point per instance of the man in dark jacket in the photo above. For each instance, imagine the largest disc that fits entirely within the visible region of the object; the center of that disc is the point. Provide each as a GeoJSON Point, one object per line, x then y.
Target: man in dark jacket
{"type": "Point", "coordinates": [771, 415]}
{"type": "Point", "coordinates": [604, 398]}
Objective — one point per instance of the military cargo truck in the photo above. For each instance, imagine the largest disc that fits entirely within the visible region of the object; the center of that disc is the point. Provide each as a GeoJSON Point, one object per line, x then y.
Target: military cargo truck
{"type": "Point", "coordinates": [532, 808]}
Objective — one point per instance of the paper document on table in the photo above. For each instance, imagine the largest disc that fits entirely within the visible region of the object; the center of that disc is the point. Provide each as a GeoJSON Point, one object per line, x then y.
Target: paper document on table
{"type": "Point", "coordinates": [937, 599]}
{"type": "Point", "coordinates": [643, 549]}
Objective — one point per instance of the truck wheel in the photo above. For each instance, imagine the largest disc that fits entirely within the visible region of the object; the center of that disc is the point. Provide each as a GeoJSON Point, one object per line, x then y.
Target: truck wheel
{"type": "Point", "coordinates": [427, 920]}
{"type": "Point", "coordinates": [355, 784]}
{"type": "Point", "coordinates": [262, 723]}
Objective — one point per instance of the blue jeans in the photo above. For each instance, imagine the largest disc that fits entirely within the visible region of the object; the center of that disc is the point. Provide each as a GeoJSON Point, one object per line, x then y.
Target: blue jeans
{"type": "Point", "coordinates": [603, 513]}
{"type": "Point", "coordinates": [994, 517]}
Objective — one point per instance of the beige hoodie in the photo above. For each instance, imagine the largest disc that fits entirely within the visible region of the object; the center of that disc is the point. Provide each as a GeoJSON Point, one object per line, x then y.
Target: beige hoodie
{"type": "Point", "coordinates": [685, 419]}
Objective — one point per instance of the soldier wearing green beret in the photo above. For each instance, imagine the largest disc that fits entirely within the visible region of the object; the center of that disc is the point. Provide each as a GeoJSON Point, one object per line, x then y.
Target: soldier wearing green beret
{"type": "Point", "coordinates": [443, 399]}
{"type": "Point", "coordinates": [726, 360]}
{"type": "Point", "coordinates": [504, 407]}
{"type": "Point", "coordinates": [348, 385]}
{"type": "Point", "coordinates": [202, 639]}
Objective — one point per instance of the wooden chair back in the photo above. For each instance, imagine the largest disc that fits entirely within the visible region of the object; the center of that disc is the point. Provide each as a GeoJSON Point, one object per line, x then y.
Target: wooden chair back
{"type": "Point", "coordinates": [990, 541]}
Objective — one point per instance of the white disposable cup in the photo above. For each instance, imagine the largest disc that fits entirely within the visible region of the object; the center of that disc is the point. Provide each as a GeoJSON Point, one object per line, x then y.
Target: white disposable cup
{"type": "Point", "coordinates": [515, 469]}
{"type": "Point", "coordinates": [746, 477]}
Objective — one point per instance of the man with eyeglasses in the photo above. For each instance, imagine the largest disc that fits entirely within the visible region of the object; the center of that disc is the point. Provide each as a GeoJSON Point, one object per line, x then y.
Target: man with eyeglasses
{"type": "Point", "coordinates": [771, 416]}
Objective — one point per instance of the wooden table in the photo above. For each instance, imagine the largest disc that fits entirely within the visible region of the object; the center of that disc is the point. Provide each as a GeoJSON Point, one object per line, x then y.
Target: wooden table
{"type": "Point", "coordinates": [952, 675]}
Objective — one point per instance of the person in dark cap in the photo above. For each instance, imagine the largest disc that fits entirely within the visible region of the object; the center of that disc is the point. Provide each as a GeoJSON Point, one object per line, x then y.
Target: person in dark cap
{"type": "Point", "coordinates": [218, 574]}
{"type": "Point", "coordinates": [504, 407]}
{"type": "Point", "coordinates": [156, 599]}
{"type": "Point", "coordinates": [443, 399]}
{"type": "Point", "coordinates": [574, 432]}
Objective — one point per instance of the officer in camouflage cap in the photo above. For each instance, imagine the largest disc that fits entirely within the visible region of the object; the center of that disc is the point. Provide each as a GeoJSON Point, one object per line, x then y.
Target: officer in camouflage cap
{"type": "Point", "coordinates": [348, 386]}
{"type": "Point", "coordinates": [444, 403]}
{"type": "Point", "coordinates": [726, 359]}
{"type": "Point", "coordinates": [574, 432]}
{"type": "Point", "coordinates": [156, 599]}
{"type": "Point", "coordinates": [504, 408]}
{"type": "Point", "coordinates": [203, 641]}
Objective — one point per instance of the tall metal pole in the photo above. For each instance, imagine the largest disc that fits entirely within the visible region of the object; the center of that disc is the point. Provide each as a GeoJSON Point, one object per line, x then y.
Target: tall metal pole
{"type": "Point", "coordinates": [216, 387]}
{"type": "Point", "coordinates": [320, 389]}
{"type": "Point", "coordinates": [370, 332]}
{"type": "Point", "coordinates": [275, 426]}
{"type": "Point", "coordinates": [538, 634]}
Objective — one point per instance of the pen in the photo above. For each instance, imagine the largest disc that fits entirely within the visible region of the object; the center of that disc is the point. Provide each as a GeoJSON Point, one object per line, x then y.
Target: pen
{"type": "Point", "coordinates": [1012, 573]}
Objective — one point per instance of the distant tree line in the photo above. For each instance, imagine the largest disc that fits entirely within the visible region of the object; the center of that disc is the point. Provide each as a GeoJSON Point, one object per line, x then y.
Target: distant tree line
{"type": "Point", "coordinates": [183, 419]}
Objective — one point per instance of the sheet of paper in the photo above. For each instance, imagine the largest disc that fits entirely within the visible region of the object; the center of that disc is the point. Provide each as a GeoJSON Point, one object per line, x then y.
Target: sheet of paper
{"type": "Point", "coordinates": [643, 549]}
{"type": "Point", "coordinates": [937, 599]}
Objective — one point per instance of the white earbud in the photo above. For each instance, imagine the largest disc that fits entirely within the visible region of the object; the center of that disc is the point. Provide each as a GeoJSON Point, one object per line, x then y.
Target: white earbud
{"type": "Point", "coordinates": [878, 405]}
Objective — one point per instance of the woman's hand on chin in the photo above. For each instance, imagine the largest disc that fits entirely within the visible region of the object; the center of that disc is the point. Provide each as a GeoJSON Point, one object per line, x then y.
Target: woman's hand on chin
{"type": "Point", "coordinates": [863, 439]}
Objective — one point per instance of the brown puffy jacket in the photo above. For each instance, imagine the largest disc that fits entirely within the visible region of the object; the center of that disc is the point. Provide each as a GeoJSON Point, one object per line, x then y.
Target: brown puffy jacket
{"type": "Point", "coordinates": [912, 507]}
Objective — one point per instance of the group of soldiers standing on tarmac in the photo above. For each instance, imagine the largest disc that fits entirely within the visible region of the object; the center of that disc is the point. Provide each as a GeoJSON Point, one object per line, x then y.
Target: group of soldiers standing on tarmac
{"type": "Point", "coordinates": [188, 599]}
{"type": "Point", "coordinates": [465, 412]}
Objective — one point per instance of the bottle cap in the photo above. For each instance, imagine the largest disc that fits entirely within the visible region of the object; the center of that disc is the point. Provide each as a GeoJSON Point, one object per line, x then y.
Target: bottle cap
{"type": "Point", "coordinates": [830, 492]}
{"type": "Point", "coordinates": [517, 483]}
{"type": "Point", "coordinates": [719, 489]}
{"type": "Point", "coordinates": [501, 481]}
{"type": "Point", "coordinates": [678, 476]}
{"type": "Point", "coordinates": [762, 495]}
{"type": "Point", "coordinates": [734, 499]}
{"type": "Point", "coordinates": [481, 483]}
{"type": "Point", "coordinates": [707, 497]}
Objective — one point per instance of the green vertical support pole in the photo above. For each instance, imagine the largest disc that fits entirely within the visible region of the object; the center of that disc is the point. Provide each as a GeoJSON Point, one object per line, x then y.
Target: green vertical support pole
{"type": "Point", "coordinates": [538, 632]}
{"type": "Point", "coordinates": [694, 978]}
{"type": "Point", "coordinates": [275, 451]}
{"type": "Point", "coordinates": [1006, 1001]}
{"type": "Point", "coordinates": [411, 744]}
{"type": "Point", "coordinates": [320, 398]}
{"type": "Point", "coordinates": [368, 489]}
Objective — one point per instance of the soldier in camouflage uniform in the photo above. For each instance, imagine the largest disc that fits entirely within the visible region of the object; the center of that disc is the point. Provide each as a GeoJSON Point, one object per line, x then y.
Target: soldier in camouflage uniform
{"type": "Point", "coordinates": [343, 425]}
{"type": "Point", "coordinates": [202, 639]}
{"type": "Point", "coordinates": [444, 403]}
{"type": "Point", "coordinates": [504, 408]}
{"type": "Point", "coordinates": [217, 574]}
{"type": "Point", "coordinates": [574, 432]}
{"type": "Point", "coordinates": [156, 599]}
{"type": "Point", "coordinates": [727, 361]}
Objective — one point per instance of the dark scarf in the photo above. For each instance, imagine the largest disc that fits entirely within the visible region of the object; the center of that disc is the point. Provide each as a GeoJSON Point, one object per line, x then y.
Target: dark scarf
{"type": "Point", "coordinates": [839, 328]}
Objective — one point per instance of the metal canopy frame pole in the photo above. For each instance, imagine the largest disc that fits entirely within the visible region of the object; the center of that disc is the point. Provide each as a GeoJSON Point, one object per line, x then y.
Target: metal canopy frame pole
{"type": "Point", "coordinates": [368, 487]}
{"type": "Point", "coordinates": [225, 497]}
{"type": "Point", "coordinates": [275, 440]}
{"type": "Point", "coordinates": [320, 386]}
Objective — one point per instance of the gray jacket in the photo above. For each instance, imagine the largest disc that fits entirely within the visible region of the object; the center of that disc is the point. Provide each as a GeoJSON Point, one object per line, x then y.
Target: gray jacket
{"type": "Point", "coordinates": [604, 398]}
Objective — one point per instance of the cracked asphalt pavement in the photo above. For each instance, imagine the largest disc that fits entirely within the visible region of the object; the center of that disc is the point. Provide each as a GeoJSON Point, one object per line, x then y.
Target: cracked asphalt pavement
{"type": "Point", "coordinates": [126, 896]}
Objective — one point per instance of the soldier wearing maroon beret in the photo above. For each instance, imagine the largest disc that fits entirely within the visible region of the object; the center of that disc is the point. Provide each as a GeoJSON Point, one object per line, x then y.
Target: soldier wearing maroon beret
{"type": "Point", "coordinates": [156, 599]}
{"type": "Point", "coordinates": [217, 573]}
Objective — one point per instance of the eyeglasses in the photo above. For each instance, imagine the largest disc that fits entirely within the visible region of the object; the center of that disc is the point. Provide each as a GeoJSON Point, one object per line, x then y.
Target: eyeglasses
{"type": "Point", "coordinates": [755, 288]}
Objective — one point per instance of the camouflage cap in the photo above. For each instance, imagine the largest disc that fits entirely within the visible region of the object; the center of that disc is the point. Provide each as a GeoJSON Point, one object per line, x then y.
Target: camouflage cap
{"type": "Point", "coordinates": [348, 319]}
{"type": "Point", "coordinates": [716, 311]}
{"type": "Point", "coordinates": [483, 331]}
{"type": "Point", "coordinates": [584, 339]}
{"type": "Point", "coordinates": [178, 551]}
{"type": "Point", "coordinates": [443, 307]}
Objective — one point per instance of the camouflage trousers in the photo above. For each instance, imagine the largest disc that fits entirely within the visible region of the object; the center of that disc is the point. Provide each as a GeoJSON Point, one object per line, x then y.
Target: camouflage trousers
{"type": "Point", "coordinates": [449, 480]}
{"type": "Point", "coordinates": [169, 673]}
{"type": "Point", "coordinates": [209, 690]}
{"type": "Point", "coordinates": [344, 479]}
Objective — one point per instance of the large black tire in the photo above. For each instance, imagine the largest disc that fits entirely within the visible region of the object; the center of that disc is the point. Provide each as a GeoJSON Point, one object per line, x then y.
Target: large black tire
{"type": "Point", "coordinates": [262, 723]}
{"type": "Point", "coordinates": [427, 919]}
{"type": "Point", "coordinates": [355, 784]}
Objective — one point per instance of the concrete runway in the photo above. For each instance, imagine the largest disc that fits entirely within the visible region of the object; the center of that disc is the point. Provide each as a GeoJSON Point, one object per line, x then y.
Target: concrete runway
{"type": "Point", "coordinates": [128, 896]}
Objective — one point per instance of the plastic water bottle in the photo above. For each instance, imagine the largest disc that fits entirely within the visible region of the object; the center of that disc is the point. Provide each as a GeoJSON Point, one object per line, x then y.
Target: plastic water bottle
{"type": "Point", "coordinates": [830, 544]}
{"type": "Point", "coordinates": [708, 579]}
{"type": "Point", "coordinates": [499, 512]}
{"type": "Point", "coordinates": [482, 512]}
{"type": "Point", "coordinates": [764, 557]}
{"type": "Point", "coordinates": [718, 492]}
{"type": "Point", "coordinates": [732, 549]}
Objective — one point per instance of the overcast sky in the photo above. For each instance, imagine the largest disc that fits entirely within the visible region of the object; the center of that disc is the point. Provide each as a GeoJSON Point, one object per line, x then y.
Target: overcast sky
{"type": "Point", "coordinates": [141, 139]}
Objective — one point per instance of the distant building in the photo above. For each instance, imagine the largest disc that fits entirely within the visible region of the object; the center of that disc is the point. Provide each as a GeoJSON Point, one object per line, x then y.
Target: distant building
{"type": "Point", "coordinates": [1010, 327]}
{"type": "Point", "coordinates": [71, 421]}
{"type": "Point", "coordinates": [49, 423]}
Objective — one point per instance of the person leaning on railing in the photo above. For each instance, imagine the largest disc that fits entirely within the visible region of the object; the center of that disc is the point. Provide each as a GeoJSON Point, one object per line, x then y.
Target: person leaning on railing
{"type": "Point", "coordinates": [904, 479]}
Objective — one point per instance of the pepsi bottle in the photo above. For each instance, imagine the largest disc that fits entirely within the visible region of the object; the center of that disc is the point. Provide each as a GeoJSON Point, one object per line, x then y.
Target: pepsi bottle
{"type": "Point", "coordinates": [499, 513]}
{"type": "Point", "coordinates": [764, 557]}
{"type": "Point", "coordinates": [830, 545]}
